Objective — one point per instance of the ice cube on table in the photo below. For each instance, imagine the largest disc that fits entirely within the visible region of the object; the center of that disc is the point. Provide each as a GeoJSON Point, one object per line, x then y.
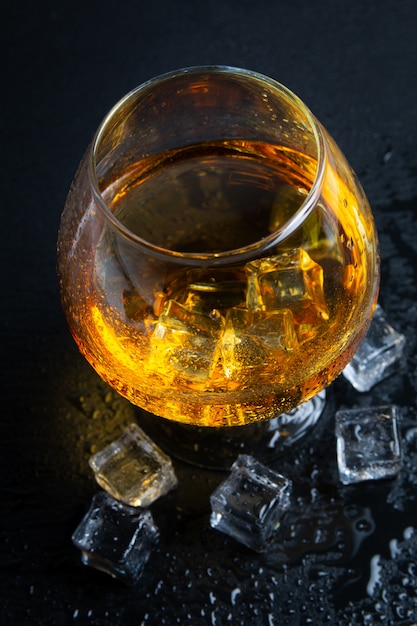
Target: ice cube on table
{"type": "Point", "coordinates": [250, 502]}
{"type": "Point", "coordinates": [115, 538]}
{"type": "Point", "coordinates": [378, 355]}
{"type": "Point", "coordinates": [368, 443]}
{"type": "Point", "coordinates": [133, 469]}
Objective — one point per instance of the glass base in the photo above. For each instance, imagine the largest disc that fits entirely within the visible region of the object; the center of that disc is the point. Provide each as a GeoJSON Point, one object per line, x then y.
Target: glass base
{"type": "Point", "coordinates": [217, 448]}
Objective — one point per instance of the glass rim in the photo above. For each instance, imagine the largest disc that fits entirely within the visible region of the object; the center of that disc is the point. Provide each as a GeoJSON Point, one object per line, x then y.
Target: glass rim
{"type": "Point", "coordinates": [279, 235]}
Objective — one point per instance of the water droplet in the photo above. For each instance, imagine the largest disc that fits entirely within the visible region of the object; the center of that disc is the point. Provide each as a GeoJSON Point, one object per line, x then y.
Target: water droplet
{"type": "Point", "coordinates": [234, 594]}
{"type": "Point", "coordinates": [363, 525]}
{"type": "Point", "coordinates": [375, 576]}
{"type": "Point", "coordinates": [412, 569]}
{"type": "Point", "coordinates": [315, 474]}
{"type": "Point", "coordinates": [393, 546]}
{"type": "Point", "coordinates": [411, 434]}
{"type": "Point", "coordinates": [314, 494]}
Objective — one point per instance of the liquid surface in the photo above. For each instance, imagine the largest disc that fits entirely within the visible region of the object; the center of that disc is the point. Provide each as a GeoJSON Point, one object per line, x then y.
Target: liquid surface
{"type": "Point", "coordinates": [232, 344]}
{"type": "Point", "coordinates": [212, 197]}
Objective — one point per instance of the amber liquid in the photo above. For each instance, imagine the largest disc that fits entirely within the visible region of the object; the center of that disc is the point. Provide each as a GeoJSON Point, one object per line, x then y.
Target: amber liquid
{"type": "Point", "coordinates": [234, 343]}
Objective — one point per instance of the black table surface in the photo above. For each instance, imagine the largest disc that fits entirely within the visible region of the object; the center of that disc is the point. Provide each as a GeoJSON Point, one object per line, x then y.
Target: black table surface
{"type": "Point", "coordinates": [64, 64]}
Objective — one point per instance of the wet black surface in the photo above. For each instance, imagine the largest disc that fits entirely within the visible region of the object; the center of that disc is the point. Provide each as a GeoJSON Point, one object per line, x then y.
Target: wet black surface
{"type": "Point", "coordinates": [343, 554]}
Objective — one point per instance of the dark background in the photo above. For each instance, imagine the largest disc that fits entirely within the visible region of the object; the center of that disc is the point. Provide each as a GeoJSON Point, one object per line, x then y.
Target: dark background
{"type": "Point", "coordinates": [63, 65]}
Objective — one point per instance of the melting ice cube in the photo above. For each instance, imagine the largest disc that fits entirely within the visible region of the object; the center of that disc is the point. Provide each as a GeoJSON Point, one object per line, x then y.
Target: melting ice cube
{"type": "Point", "coordinates": [252, 338]}
{"type": "Point", "coordinates": [368, 443]}
{"type": "Point", "coordinates": [184, 343]}
{"type": "Point", "coordinates": [133, 469]}
{"type": "Point", "coordinates": [291, 280]}
{"type": "Point", "coordinates": [249, 504]}
{"type": "Point", "coordinates": [116, 538]}
{"type": "Point", "coordinates": [377, 356]}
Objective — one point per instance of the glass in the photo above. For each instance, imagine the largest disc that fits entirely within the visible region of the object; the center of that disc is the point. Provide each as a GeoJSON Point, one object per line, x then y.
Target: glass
{"type": "Point", "coordinates": [218, 260]}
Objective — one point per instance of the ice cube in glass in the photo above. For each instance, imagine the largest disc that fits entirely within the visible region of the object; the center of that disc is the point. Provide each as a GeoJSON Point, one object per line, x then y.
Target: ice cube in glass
{"type": "Point", "coordinates": [184, 344]}
{"type": "Point", "coordinates": [252, 338]}
{"type": "Point", "coordinates": [133, 469]}
{"type": "Point", "coordinates": [368, 443]}
{"type": "Point", "coordinates": [240, 353]}
{"type": "Point", "coordinates": [291, 280]}
{"type": "Point", "coordinates": [378, 355]}
{"type": "Point", "coordinates": [116, 538]}
{"type": "Point", "coordinates": [250, 502]}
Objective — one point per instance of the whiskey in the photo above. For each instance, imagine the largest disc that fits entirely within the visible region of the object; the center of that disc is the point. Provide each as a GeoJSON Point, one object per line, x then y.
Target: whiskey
{"type": "Point", "coordinates": [211, 335]}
